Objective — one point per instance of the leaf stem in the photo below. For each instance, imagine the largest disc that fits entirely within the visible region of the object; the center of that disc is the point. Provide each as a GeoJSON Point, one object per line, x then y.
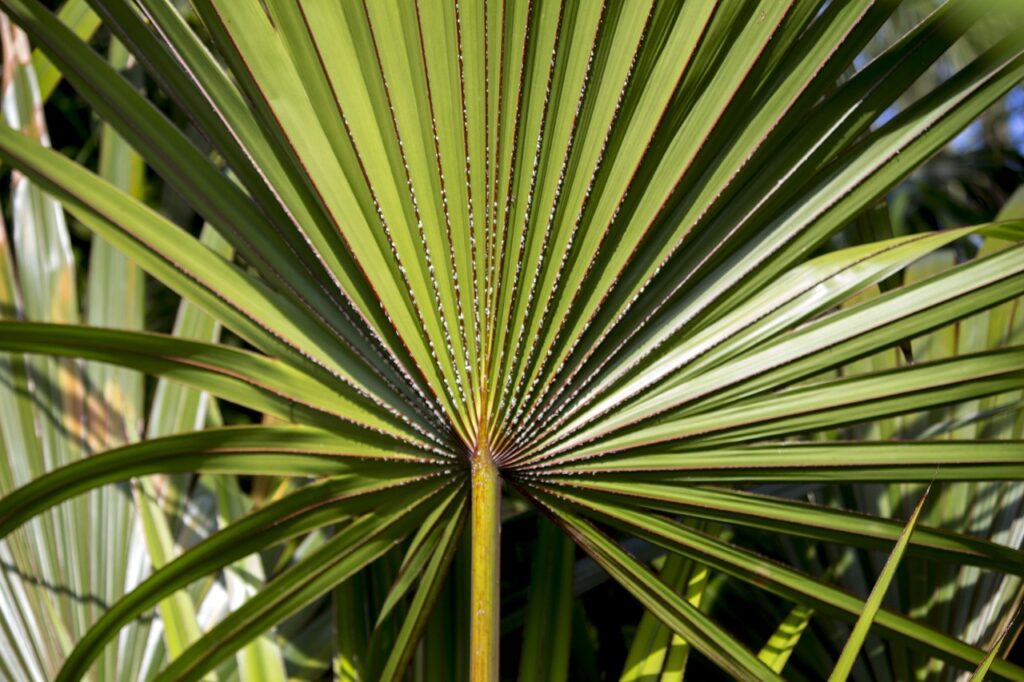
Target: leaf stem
{"type": "Point", "coordinates": [485, 554]}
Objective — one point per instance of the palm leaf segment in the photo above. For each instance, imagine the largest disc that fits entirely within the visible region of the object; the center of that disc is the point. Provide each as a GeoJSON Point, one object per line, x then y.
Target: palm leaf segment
{"type": "Point", "coordinates": [523, 242]}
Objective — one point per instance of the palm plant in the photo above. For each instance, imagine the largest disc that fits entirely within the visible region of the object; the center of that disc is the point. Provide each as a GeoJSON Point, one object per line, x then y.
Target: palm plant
{"type": "Point", "coordinates": [573, 254]}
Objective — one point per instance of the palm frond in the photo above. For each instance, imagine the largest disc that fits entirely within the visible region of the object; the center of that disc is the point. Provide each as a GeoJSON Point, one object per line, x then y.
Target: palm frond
{"type": "Point", "coordinates": [574, 252]}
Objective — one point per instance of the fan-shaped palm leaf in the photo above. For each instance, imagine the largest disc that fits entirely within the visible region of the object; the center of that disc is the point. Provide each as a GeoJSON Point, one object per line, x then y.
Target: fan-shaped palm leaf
{"type": "Point", "coordinates": [569, 248]}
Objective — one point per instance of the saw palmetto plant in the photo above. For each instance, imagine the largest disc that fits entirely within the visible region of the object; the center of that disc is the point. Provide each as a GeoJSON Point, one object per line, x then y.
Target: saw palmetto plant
{"type": "Point", "coordinates": [575, 262]}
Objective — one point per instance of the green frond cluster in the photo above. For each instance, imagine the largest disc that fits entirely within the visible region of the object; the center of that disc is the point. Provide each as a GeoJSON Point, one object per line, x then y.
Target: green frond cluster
{"type": "Point", "coordinates": [574, 257]}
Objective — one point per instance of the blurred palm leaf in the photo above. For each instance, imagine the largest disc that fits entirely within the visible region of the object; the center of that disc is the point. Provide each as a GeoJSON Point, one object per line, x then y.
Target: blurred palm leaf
{"type": "Point", "coordinates": [125, 521]}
